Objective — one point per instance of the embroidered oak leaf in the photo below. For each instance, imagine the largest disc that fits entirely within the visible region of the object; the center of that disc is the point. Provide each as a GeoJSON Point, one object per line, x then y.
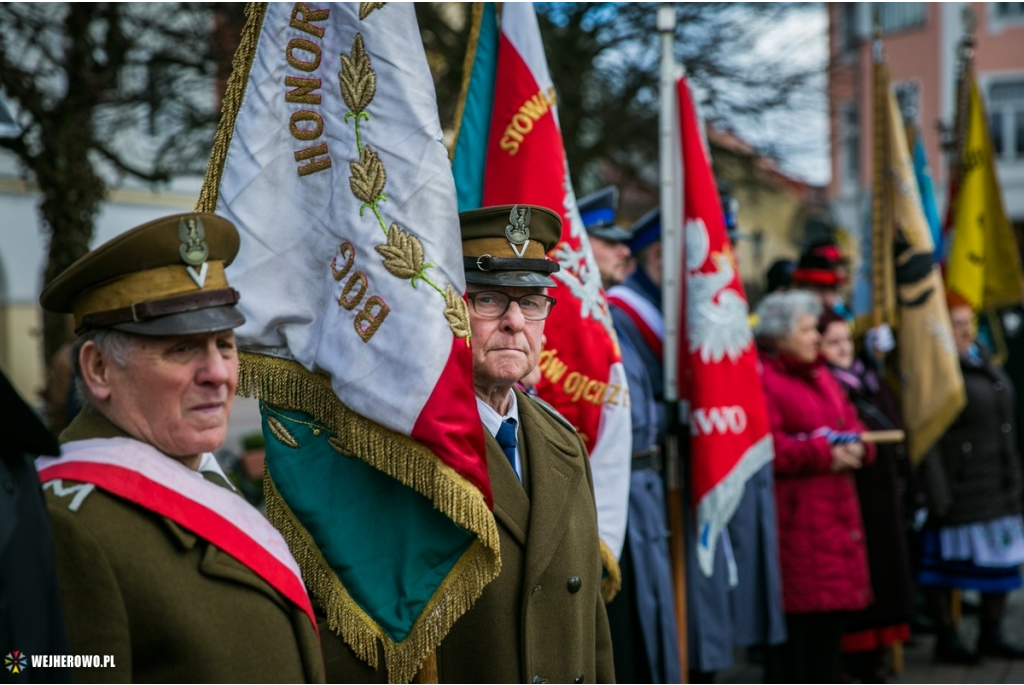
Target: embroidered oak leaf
{"type": "Point", "coordinates": [281, 433]}
{"type": "Point", "coordinates": [368, 176]}
{"type": "Point", "coordinates": [403, 253]}
{"type": "Point", "coordinates": [358, 82]}
{"type": "Point", "coordinates": [366, 7]}
{"type": "Point", "coordinates": [456, 313]}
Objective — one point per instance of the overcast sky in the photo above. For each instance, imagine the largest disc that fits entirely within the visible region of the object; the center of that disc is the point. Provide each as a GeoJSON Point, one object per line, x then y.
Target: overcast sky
{"type": "Point", "coordinates": [799, 136]}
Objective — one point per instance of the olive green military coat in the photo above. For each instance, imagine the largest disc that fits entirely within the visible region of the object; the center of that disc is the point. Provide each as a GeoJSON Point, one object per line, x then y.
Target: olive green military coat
{"type": "Point", "coordinates": [168, 605]}
{"type": "Point", "coordinates": [542, 619]}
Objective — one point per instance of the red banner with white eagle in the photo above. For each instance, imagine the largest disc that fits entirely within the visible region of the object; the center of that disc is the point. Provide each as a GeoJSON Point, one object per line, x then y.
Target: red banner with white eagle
{"type": "Point", "coordinates": [582, 372]}
{"type": "Point", "coordinates": [730, 435]}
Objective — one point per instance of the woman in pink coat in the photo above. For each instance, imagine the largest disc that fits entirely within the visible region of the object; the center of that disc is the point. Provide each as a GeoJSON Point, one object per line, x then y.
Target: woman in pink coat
{"type": "Point", "coordinates": [817, 449]}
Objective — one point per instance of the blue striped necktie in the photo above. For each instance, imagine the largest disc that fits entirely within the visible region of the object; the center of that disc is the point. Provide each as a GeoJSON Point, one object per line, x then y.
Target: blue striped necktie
{"type": "Point", "coordinates": [506, 438]}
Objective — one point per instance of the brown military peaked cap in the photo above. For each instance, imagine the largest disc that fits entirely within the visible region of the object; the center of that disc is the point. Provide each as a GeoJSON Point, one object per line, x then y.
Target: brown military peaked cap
{"type": "Point", "coordinates": [165, 277]}
{"type": "Point", "coordinates": [508, 245]}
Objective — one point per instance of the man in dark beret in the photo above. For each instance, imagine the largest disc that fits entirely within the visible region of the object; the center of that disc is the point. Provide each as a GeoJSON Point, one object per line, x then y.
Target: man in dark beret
{"type": "Point", "coordinates": [166, 574]}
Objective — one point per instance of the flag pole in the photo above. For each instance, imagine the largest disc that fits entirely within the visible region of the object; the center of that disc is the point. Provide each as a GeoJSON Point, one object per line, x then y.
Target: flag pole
{"type": "Point", "coordinates": [672, 252]}
{"type": "Point", "coordinates": [882, 267]}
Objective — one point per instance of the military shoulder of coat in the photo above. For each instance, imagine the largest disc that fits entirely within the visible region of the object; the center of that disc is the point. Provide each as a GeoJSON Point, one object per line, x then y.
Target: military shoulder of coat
{"type": "Point", "coordinates": [553, 412]}
{"type": "Point", "coordinates": [67, 494]}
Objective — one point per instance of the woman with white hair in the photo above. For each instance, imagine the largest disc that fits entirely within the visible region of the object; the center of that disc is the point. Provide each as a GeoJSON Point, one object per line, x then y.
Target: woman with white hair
{"type": "Point", "coordinates": [817, 448]}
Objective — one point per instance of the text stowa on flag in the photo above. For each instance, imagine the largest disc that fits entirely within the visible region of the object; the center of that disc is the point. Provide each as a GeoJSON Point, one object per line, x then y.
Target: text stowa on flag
{"type": "Point", "coordinates": [582, 372]}
{"type": "Point", "coordinates": [330, 160]}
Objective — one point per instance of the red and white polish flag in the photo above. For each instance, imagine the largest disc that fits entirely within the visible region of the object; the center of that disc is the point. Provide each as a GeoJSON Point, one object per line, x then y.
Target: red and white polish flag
{"type": "Point", "coordinates": [730, 435]}
{"type": "Point", "coordinates": [583, 376]}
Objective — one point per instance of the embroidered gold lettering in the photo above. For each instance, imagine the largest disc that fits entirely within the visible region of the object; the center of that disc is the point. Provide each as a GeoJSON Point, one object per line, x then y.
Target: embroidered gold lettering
{"type": "Point", "coordinates": [368, 320]}
{"type": "Point", "coordinates": [613, 393]}
{"type": "Point", "coordinates": [302, 16]}
{"type": "Point", "coordinates": [347, 300]}
{"type": "Point", "coordinates": [303, 88]}
{"type": "Point", "coordinates": [306, 133]}
{"type": "Point", "coordinates": [315, 165]}
{"type": "Point", "coordinates": [303, 45]}
{"type": "Point", "coordinates": [523, 120]}
{"type": "Point", "coordinates": [345, 247]}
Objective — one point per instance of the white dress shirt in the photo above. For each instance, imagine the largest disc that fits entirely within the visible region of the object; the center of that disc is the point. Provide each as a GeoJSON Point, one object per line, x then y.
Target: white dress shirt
{"type": "Point", "coordinates": [493, 420]}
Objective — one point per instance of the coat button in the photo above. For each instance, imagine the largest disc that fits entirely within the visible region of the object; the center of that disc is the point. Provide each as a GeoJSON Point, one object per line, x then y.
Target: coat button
{"type": "Point", "coordinates": [574, 584]}
{"type": "Point", "coordinates": [1005, 428]}
{"type": "Point", "coordinates": [579, 679]}
{"type": "Point", "coordinates": [536, 679]}
{"type": "Point", "coordinates": [855, 535]}
{"type": "Point", "coordinates": [966, 447]}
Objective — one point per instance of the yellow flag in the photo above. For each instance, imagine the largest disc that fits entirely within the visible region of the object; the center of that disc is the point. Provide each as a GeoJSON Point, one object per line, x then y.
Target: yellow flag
{"type": "Point", "coordinates": [932, 385]}
{"type": "Point", "coordinates": [984, 265]}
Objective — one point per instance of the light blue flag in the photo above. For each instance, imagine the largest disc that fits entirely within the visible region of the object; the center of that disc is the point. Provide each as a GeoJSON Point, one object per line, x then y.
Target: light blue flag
{"type": "Point", "coordinates": [471, 147]}
{"type": "Point", "coordinates": [924, 184]}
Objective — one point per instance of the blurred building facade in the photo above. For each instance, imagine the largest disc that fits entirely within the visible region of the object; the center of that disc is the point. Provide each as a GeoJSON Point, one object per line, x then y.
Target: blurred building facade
{"type": "Point", "coordinates": [920, 44]}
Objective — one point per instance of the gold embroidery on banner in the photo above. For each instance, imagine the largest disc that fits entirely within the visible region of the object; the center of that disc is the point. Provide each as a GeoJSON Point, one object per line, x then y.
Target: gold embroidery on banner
{"type": "Point", "coordinates": [358, 84]}
{"type": "Point", "coordinates": [578, 386]}
{"type": "Point", "coordinates": [366, 7]}
{"type": "Point", "coordinates": [367, 180]}
{"type": "Point", "coordinates": [403, 252]}
{"type": "Point", "coordinates": [337, 446]}
{"type": "Point", "coordinates": [278, 430]}
{"type": "Point", "coordinates": [456, 313]}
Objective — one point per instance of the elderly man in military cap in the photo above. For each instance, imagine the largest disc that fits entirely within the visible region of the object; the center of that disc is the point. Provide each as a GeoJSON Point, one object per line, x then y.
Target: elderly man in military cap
{"type": "Point", "coordinates": [542, 619]}
{"type": "Point", "coordinates": [608, 241]}
{"type": "Point", "coordinates": [165, 573]}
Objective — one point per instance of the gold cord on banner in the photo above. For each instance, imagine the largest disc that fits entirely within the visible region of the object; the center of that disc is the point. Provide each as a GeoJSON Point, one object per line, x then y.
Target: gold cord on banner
{"type": "Point", "coordinates": [233, 94]}
{"type": "Point", "coordinates": [467, 71]}
{"type": "Point", "coordinates": [288, 386]}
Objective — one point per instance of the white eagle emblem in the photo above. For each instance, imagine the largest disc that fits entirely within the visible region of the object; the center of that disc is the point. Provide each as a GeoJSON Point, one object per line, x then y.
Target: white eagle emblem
{"type": "Point", "coordinates": [579, 270]}
{"type": "Point", "coordinates": [716, 314]}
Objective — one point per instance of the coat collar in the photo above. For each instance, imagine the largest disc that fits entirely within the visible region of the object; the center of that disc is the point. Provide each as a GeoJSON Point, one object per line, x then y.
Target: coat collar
{"type": "Point", "coordinates": [511, 505]}
{"type": "Point", "coordinates": [556, 465]}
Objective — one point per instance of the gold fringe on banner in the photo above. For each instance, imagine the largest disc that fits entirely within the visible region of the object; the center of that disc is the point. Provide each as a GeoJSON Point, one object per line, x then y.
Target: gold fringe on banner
{"type": "Point", "coordinates": [233, 94]}
{"type": "Point", "coordinates": [289, 386]}
{"type": "Point", "coordinates": [611, 583]}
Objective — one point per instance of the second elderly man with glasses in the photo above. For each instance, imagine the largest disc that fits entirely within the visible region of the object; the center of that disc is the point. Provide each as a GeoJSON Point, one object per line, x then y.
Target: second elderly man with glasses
{"type": "Point", "coordinates": [542, 619]}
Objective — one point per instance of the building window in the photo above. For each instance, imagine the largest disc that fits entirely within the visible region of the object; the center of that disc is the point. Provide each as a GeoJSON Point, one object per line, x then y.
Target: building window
{"type": "Point", "coordinates": [1006, 118]}
{"type": "Point", "coordinates": [850, 131]}
{"type": "Point", "coordinates": [849, 35]}
{"type": "Point", "coordinates": [901, 16]}
{"type": "Point", "coordinates": [1007, 10]}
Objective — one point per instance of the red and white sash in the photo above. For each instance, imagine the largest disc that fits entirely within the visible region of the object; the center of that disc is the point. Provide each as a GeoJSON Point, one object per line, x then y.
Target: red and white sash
{"type": "Point", "coordinates": [648, 320]}
{"type": "Point", "coordinates": [141, 474]}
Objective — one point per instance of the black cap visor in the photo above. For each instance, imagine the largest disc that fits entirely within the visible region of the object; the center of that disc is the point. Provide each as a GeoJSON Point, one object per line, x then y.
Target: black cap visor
{"type": "Point", "coordinates": [208, 320]}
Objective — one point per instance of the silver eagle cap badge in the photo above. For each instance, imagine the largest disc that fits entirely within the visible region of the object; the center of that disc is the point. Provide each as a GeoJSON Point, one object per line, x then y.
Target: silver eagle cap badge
{"type": "Point", "coordinates": [518, 230]}
{"type": "Point", "coordinates": [193, 249]}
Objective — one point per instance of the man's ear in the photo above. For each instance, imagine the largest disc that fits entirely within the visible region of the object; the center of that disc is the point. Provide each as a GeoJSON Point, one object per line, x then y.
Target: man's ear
{"type": "Point", "coordinates": [96, 369]}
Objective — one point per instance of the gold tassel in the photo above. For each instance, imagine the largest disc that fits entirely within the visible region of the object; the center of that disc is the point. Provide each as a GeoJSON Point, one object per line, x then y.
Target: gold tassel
{"type": "Point", "coordinates": [287, 385]}
{"type": "Point", "coordinates": [611, 583]}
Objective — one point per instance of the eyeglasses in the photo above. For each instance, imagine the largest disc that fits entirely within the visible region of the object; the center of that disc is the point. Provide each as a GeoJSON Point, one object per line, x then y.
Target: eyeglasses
{"type": "Point", "coordinates": [492, 304]}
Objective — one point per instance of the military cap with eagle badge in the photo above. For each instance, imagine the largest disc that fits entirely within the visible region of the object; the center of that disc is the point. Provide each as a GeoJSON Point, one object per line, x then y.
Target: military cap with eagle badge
{"type": "Point", "coordinates": [508, 245]}
{"type": "Point", "coordinates": [165, 277]}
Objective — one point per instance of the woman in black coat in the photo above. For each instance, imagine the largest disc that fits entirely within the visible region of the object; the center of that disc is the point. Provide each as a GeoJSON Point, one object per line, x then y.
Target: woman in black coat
{"type": "Point", "coordinates": [975, 536]}
{"type": "Point", "coordinates": [886, 620]}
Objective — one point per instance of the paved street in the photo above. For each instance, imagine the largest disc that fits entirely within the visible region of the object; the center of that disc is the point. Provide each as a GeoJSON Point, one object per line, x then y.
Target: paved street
{"type": "Point", "coordinates": [919, 665]}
